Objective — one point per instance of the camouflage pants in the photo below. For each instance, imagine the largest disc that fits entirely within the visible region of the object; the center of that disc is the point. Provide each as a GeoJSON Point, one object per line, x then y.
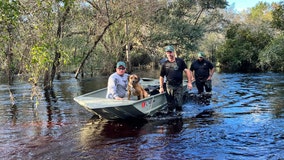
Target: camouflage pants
{"type": "Point", "coordinates": [174, 96]}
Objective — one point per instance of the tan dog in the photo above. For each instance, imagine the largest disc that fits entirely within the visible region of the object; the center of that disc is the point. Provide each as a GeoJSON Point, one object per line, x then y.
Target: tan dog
{"type": "Point", "coordinates": [134, 88]}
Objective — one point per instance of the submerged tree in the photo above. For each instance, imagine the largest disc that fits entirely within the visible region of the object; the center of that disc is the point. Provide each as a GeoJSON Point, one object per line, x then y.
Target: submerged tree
{"type": "Point", "coordinates": [42, 31]}
{"type": "Point", "coordinates": [9, 14]}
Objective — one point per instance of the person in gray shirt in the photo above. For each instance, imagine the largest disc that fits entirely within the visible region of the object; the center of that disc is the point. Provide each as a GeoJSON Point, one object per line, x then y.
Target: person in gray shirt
{"type": "Point", "coordinates": [117, 83]}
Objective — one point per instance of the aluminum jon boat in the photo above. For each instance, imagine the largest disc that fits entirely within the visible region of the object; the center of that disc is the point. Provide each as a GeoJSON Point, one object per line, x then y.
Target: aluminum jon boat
{"type": "Point", "coordinates": [111, 109]}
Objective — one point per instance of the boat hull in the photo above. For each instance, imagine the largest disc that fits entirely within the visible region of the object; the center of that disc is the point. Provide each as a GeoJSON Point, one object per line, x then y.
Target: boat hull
{"type": "Point", "coordinates": [146, 107]}
{"type": "Point", "coordinates": [111, 109]}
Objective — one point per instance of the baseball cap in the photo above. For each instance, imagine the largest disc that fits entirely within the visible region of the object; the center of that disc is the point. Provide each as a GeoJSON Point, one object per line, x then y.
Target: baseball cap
{"type": "Point", "coordinates": [169, 49]}
{"type": "Point", "coordinates": [201, 54]}
{"type": "Point", "coordinates": [120, 63]}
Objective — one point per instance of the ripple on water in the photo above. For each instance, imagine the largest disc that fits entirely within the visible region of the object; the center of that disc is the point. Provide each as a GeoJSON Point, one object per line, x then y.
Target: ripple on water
{"type": "Point", "coordinates": [244, 119]}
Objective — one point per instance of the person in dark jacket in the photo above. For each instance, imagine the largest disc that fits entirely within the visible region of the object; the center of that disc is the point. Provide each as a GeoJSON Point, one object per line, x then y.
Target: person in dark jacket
{"type": "Point", "coordinates": [172, 73]}
{"type": "Point", "coordinates": [202, 71]}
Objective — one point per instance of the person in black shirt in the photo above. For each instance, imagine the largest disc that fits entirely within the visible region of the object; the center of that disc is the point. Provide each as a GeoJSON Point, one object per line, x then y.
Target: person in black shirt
{"type": "Point", "coordinates": [172, 70]}
{"type": "Point", "coordinates": [202, 71]}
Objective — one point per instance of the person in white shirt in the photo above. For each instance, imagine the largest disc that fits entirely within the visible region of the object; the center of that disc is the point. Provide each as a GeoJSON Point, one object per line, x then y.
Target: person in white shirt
{"type": "Point", "coordinates": [117, 82]}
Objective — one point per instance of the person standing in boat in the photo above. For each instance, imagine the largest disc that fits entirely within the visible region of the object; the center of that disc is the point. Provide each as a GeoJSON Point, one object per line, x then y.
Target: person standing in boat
{"type": "Point", "coordinates": [203, 71]}
{"type": "Point", "coordinates": [172, 69]}
{"type": "Point", "coordinates": [117, 82]}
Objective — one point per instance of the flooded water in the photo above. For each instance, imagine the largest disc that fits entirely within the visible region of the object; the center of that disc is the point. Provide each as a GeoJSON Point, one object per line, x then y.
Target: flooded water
{"type": "Point", "coordinates": [244, 119]}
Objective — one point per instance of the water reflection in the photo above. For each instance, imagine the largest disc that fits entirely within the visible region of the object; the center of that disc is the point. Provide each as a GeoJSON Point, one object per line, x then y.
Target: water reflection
{"type": "Point", "coordinates": [14, 113]}
{"type": "Point", "coordinates": [88, 85]}
{"type": "Point", "coordinates": [167, 124]}
{"type": "Point", "coordinates": [121, 128]}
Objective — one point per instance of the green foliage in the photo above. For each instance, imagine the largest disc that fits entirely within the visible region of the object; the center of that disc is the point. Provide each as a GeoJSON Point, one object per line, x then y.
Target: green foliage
{"type": "Point", "coordinates": [9, 16]}
{"type": "Point", "coordinates": [175, 26]}
{"type": "Point", "coordinates": [183, 23]}
{"type": "Point", "coordinates": [140, 58]}
{"type": "Point", "coordinates": [209, 45]}
{"type": "Point", "coordinates": [240, 50]}
{"type": "Point", "coordinates": [9, 12]}
{"type": "Point", "coordinates": [213, 4]}
{"type": "Point", "coordinates": [70, 28]}
{"type": "Point", "coordinates": [40, 61]}
{"type": "Point", "coordinates": [271, 58]}
{"type": "Point", "coordinates": [278, 16]}
{"type": "Point", "coordinates": [261, 12]}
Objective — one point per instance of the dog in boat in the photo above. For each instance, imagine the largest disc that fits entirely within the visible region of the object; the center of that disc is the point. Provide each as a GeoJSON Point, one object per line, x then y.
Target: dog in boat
{"type": "Point", "coordinates": [134, 88]}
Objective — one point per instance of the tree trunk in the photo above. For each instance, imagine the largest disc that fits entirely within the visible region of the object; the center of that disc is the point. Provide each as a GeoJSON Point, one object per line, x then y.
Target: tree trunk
{"type": "Point", "coordinates": [98, 38]}
{"type": "Point", "coordinates": [9, 57]}
{"type": "Point", "coordinates": [127, 47]}
{"type": "Point", "coordinates": [9, 54]}
{"type": "Point", "coordinates": [48, 81]}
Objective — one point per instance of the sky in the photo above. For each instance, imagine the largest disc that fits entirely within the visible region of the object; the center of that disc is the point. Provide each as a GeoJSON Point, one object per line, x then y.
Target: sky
{"type": "Point", "coordinates": [244, 4]}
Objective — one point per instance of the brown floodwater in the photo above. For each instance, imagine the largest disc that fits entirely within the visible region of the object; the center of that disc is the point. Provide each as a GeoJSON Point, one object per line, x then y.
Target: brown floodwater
{"type": "Point", "coordinates": [244, 119]}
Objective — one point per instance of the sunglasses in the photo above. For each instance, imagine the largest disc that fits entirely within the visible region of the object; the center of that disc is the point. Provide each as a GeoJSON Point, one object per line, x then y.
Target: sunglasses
{"type": "Point", "coordinates": [121, 68]}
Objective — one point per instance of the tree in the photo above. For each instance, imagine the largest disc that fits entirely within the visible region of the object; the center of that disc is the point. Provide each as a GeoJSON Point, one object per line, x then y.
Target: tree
{"type": "Point", "coordinates": [182, 23]}
{"type": "Point", "coordinates": [9, 14]}
{"type": "Point", "coordinates": [210, 43]}
{"type": "Point", "coordinates": [278, 16]}
{"type": "Point", "coordinates": [109, 22]}
{"type": "Point", "coordinates": [271, 58]}
{"type": "Point", "coordinates": [261, 12]}
{"type": "Point", "coordinates": [241, 48]}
